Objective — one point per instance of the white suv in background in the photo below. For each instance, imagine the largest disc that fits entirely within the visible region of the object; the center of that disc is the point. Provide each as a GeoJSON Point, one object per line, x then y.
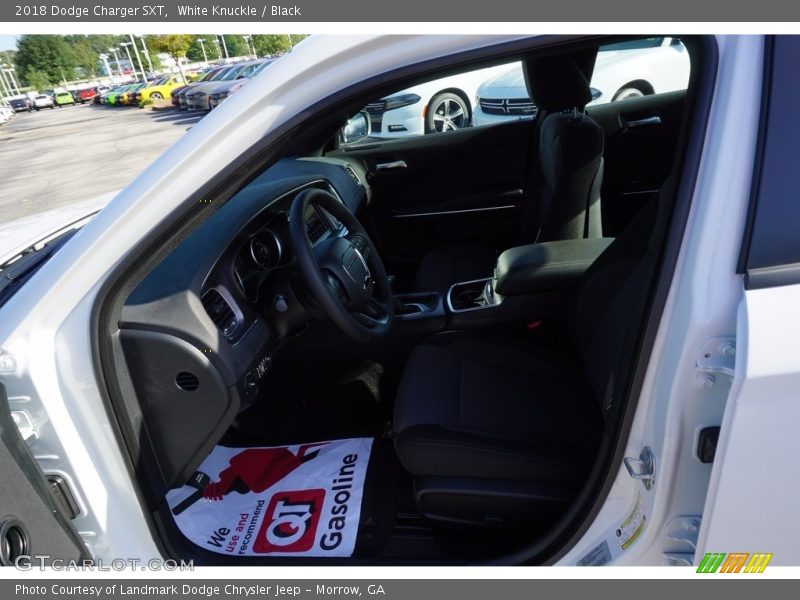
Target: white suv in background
{"type": "Point", "coordinates": [624, 70]}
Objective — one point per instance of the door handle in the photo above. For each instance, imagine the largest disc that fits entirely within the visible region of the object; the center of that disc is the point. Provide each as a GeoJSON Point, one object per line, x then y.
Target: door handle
{"type": "Point", "coordinates": [646, 122]}
{"type": "Point", "coordinates": [395, 165]}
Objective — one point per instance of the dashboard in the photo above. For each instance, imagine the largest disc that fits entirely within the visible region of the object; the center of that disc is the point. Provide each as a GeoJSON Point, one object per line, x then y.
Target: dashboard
{"type": "Point", "coordinates": [200, 330]}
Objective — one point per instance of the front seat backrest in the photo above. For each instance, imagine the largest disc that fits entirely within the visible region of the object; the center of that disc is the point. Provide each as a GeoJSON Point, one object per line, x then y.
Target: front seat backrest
{"type": "Point", "coordinates": [570, 151]}
{"type": "Point", "coordinates": [610, 300]}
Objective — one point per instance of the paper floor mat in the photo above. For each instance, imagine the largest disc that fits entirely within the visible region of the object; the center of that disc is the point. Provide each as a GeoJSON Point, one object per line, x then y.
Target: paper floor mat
{"type": "Point", "coordinates": [302, 500]}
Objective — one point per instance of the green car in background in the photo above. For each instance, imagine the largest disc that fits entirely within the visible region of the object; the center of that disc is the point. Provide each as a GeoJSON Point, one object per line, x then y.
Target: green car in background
{"type": "Point", "coordinates": [63, 98]}
{"type": "Point", "coordinates": [113, 96]}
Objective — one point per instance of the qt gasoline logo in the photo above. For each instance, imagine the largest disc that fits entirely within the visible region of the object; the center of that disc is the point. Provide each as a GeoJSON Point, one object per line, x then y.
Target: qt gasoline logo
{"type": "Point", "coordinates": [735, 562]}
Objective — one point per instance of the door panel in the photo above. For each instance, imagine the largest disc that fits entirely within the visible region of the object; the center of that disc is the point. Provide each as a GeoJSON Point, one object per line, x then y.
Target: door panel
{"type": "Point", "coordinates": [641, 136]}
{"type": "Point", "coordinates": [458, 186]}
{"type": "Point", "coordinates": [31, 522]}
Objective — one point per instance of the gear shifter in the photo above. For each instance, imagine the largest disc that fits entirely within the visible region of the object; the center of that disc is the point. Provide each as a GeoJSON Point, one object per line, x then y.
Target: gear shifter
{"type": "Point", "coordinates": [399, 306]}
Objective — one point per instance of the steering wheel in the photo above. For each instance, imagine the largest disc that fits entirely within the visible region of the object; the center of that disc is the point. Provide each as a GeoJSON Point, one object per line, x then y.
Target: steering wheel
{"type": "Point", "coordinates": [343, 272]}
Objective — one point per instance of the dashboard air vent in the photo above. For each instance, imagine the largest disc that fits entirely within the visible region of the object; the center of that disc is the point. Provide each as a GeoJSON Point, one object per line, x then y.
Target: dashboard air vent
{"type": "Point", "coordinates": [220, 312]}
{"type": "Point", "coordinates": [188, 382]}
{"type": "Point", "coordinates": [352, 173]}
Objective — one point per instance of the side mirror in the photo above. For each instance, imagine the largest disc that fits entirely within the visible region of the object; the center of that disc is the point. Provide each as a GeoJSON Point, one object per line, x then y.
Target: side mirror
{"type": "Point", "coordinates": [357, 127]}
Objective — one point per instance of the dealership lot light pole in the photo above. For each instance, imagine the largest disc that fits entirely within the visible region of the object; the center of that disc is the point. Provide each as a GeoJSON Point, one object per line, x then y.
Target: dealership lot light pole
{"type": "Point", "coordinates": [8, 78]}
{"type": "Point", "coordinates": [250, 47]}
{"type": "Point", "coordinates": [147, 56]}
{"type": "Point", "coordinates": [104, 58]}
{"type": "Point", "coordinates": [138, 58]}
{"type": "Point", "coordinates": [4, 85]}
{"type": "Point", "coordinates": [130, 59]}
{"type": "Point", "coordinates": [12, 75]}
{"type": "Point", "coordinates": [201, 41]}
{"type": "Point", "coordinates": [225, 46]}
{"type": "Point", "coordinates": [116, 60]}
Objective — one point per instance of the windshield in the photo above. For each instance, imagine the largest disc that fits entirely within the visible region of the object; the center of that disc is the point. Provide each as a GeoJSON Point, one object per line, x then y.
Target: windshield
{"type": "Point", "coordinates": [250, 70]}
{"type": "Point", "coordinates": [221, 74]}
{"type": "Point", "coordinates": [262, 66]}
{"type": "Point", "coordinates": [234, 73]}
{"type": "Point", "coordinates": [208, 75]}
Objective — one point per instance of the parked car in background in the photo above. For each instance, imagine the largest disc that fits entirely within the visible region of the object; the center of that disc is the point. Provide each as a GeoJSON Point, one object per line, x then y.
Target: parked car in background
{"type": "Point", "coordinates": [128, 97]}
{"type": "Point", "coordinates": [21, 104]}
{"type": "Point", "coordinates": [197, 97]}
{"type": "Point", "coordinates": [623, 70]}
{"type": "Point", "coordinates": [84, 95]}
{"type": "Point", "coordinates": [112, 98]}
{"type": "Point", "coordinates": [157, 89]}
{"type": "Point", "coordinates": [227, 88]}
{"type": "Point", "coordinates": [43, 101]}
{"type": "Point", "coordinates": [63, 98]}
{"type": "Point", "coordinates": [179, 93]}
{"type": "Point", "coordinates": [440, 105]}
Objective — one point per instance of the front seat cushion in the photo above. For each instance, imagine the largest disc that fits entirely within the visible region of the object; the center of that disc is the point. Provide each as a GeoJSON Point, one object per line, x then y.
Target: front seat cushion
{"type": "Point", "coordinates": [495, 409]}
{"type": "Point", "coordinates": [454, 263]}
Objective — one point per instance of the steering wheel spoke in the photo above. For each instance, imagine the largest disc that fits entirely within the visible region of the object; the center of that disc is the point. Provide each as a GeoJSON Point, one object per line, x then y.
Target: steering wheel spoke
{"type": "Point", "coordinates": [373, 314]}
{"type": "Point", "coordinates": [343, 272]}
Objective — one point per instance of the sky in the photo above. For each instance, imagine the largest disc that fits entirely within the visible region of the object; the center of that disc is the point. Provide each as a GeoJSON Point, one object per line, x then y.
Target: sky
{"type": "Point", "coordinates": [8, 42]}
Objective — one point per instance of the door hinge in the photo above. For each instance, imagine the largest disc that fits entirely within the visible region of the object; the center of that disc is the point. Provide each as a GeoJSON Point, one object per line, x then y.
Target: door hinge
{"type": "Point", "coordinates": [716, 362]}
{"type": "Point", "coordinates": [642, 468]}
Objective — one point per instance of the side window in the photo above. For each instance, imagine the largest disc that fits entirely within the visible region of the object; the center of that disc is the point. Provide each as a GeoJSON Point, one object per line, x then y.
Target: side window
{"type": "Point", "coordinates": [498, 94]}
{"type": "Point", "coordinates": [448, 104]}
{"type": "Point", "coordinates": [636, 68]}
{"type": "Point", "coordinates": [772, 250]}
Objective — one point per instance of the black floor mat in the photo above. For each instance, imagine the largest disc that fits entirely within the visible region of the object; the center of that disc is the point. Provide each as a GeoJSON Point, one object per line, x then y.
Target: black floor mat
{"type": "Point", "coordinates": [301, 407]}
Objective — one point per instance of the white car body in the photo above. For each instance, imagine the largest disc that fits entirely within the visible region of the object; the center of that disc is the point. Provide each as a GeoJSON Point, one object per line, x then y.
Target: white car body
{"type": "Point", "coordinates": [411, 119]}
{"type": "Point", "coordinates": [43, 101]}
{"type": "Point", "coordinates": [651, 70]}
{"type": "Point", "coordinates": [49, 373]}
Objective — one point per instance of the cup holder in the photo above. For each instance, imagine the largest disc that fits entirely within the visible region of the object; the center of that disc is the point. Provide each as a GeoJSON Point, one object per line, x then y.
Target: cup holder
{"type": "Point", "coordinates": [471, 295]}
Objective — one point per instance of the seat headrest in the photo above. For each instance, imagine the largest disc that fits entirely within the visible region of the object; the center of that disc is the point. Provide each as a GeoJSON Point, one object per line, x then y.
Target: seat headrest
{"type": "Point", "coordinates": [556, 83]}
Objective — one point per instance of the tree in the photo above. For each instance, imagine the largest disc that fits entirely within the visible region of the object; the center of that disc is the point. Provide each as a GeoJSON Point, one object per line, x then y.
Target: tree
{"type": "Point", "coordinates": [237, 46]}
{"type": "Point", "coordinates": [195, 51]}
{"type": "Point", "coordinates": [176, 45]}
{"type": "Point", "coordinates": [37, 80]}
{"type": "Point", "coordinates": [85, 57]}
{"type": "Point", "coordinates": [271, 44]}
{"type": "Point", "coordinates": [49, 54]}
{"type": "Point", "coordinates": [7, 56]}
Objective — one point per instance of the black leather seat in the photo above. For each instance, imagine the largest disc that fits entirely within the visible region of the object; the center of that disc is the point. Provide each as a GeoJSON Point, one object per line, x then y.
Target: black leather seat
{"type": "Point", "coordinates": [499, 429]}
{"type": "Point", "coordinates": [565, 177]}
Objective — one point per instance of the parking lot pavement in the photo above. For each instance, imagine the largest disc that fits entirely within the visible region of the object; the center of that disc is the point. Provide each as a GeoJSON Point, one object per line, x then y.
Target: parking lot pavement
{"type": "Point", "coordinates": [57, 157]}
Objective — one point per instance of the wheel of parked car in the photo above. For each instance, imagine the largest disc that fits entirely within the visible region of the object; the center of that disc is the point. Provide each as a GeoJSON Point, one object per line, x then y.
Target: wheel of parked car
{"type": "Point", "coordinates": [156, 96]}
{"type": "Point", "coordinates": [447, 112]}
{"type": "Point", "coordinates": [628, 92]}
{"type": "Point", "coordinates": [343, 271]}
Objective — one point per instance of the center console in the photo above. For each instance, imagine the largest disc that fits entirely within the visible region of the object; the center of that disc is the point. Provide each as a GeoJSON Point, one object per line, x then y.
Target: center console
{"type": "Point", "coordinates": [529, 283]}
